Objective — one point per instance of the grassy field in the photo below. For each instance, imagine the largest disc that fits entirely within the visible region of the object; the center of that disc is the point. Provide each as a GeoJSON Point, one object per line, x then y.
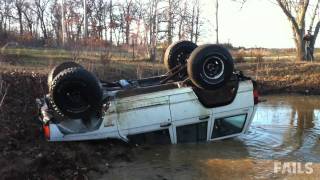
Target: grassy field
{"type": "Point", "coordinates": [281, 74]}
{"type": "Point", "coordinates": [107, 66]}
{"type": "Point", "coordinates": [115, 54]}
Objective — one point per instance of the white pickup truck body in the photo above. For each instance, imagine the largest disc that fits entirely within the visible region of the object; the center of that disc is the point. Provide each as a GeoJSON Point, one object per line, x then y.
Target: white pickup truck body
{"type": "Point", "coordinates": [165, 114]}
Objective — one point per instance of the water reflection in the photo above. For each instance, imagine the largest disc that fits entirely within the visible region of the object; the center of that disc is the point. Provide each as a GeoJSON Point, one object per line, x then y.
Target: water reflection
{"type": "Point", "coordinates": [285, 128]}
{"type": "Point", "coordinates": [288, 124]}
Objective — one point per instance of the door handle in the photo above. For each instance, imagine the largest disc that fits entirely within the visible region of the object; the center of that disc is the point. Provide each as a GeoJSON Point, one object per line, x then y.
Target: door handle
{"type": "Point", "coordinates": [166, 124]}
{"type": "Point", "coordinates": [201, 118]}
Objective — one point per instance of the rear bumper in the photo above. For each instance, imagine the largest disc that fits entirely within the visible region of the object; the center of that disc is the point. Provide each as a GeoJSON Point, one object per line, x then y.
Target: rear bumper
{"type": "Point", "coordinates": [55, 131]}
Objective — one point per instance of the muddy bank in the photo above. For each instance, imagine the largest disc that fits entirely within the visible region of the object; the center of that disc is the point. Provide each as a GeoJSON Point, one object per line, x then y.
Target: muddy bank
{"type": "Point", "coordinates": [284, 77]}
{"type": "Point", "coordinates": [25, 154]}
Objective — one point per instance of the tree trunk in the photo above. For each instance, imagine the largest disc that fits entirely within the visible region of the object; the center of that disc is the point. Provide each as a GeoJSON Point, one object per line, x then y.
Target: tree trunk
{"type": "Point", "coordinates": [180, 29]}
{"type": "Point", "coordinates": [127, 32]}
{"type": "Point", "coordinates": [154, 34]}
{"type": "Point", "coordinates": [197, 23]}
{"type": "Point", "coordinates": [217, 21]}
{"type": "Point", "coordinates": [300, 45]}
{"type": "Point", "coordinates": [313, 42]}
{"type": "Point", "coordinates": [63, 25]}
{"type": "Point", "coordinates": [1, 22]}
{"type": "Point", "coordinates": [170, 21]}
{"type": "Point", "coordinates": [192, 24]}
{"type": "Point", "coordinates": [44, 29]}
{"type": "Point", "coordinates": [298, 23]}
{"type": "Point", "coordinates": [111, 21]}
{"type": "Point", "coordinates": [300, 52]}
{"type": "Point", "coordinates": [20, 20]}
{"type": "Point", "coordinates": [85, 31]}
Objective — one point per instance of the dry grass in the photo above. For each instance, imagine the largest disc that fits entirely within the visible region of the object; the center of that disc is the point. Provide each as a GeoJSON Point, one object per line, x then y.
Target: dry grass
{"type": "Point", "coordinates": [285, 76]}
{"type": "Point", "coordinates": [273, 75]}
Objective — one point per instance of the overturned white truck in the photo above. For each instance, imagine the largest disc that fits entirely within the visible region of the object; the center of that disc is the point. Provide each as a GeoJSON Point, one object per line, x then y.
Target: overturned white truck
{"type": "Point", "coordinates": [201, 98]}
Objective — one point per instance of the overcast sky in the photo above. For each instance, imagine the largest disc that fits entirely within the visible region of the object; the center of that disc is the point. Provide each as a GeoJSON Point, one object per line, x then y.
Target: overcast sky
{"type": "Point", "coordinates": [259, 23]}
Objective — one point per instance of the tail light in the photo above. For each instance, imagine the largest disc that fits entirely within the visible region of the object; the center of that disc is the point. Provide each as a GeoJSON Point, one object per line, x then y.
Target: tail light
{"type": "Point", "coordinates": [256, 96]}
{"type": "Point", "coordinates": [255, 92]}
{"type": "Point", "coordinates": [46, 131]}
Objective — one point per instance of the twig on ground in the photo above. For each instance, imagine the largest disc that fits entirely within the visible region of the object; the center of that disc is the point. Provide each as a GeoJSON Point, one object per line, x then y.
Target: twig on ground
{"type": "Point", "coordinates": [3, 91]}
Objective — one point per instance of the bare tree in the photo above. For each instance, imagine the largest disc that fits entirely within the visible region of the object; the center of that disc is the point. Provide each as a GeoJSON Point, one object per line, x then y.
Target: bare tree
{"type": "Point", "coordinates": [192, 23]}
{"type": "Point", "coordinates": [172, 6]}
{"type": "Point", "coordinates": [85, 14]}
{"type": "Point", "coordinates": [2, 15]}
{"type": "Point", "coordinates": [183, 20]}
{"type": "Point", "coordinates": [41, 6]}
{"type": "Point", "coordinates": [151, 24]}
{"type": "Point", "coordinates": [217, 21]}
{"type": "Point", "coordinates": [316, 29]}
{"type": "Point", "coordinates": [112, 24]}
{"type": "Point", "coordinates": [99, 9]}
{"type": "Point", "coordinates": [296, 13]}
{"type": "Point", "coordinates": [19, 7]}
{"type": "Point", "coordinates": [144, 23]}
{"type": "Point", "coordinates": [129, 10]}
{"type": "Point", "coordinates": [63, 22]}
{"type": "Point", "coordinates": [56, 20]}
{"type": "Point", "coordinates": [197, 23]}
{"type": "Point", "coordinates": [28, 12]}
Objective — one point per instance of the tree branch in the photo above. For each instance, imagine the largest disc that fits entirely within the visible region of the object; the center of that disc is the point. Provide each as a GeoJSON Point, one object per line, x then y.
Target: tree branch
{"type": "Point", "coordinates": [288, 14]}
{"type": "Point", "coordinates": [315, 34]}
{"type": "Point", "coordinates": [314, 16]}
{"type": "Point", "coordinates": [304, 11]}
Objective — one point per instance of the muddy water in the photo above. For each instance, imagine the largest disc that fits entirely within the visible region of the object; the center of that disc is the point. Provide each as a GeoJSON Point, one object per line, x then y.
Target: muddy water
{"type": "Point", "coordinates": [285, 129]}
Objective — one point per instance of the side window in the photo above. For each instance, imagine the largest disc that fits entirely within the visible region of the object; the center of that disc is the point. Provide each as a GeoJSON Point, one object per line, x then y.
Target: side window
{"type": "Point", "coordinates": [155, 137]}
{"type": "Point", "coordinates": [192, 133]}
{"type": "Point", "coordinates": [228, 126]}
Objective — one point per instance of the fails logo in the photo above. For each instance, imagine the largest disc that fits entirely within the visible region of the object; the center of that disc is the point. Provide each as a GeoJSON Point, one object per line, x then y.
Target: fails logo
{"type": "Point", "coordinates": [293, 167]}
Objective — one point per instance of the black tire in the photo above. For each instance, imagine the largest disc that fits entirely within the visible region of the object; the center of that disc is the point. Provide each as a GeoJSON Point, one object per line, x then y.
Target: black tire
{"type": "Point", "coordinates": [58, 68]}
{"type": "Point", "coordinates": [76, 93]}
{"type": "Point", "coordinates": [178, 53]}
{"type": "Point", "coordinates": [210, 66]}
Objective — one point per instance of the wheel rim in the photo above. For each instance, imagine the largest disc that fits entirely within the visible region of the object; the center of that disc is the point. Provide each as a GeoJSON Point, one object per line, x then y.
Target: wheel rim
{"type": "Point", "coordinates": [213, 68]}
{"type": "Point", "coordinates": [182, 58]}
{"type": "Point", "coordinates": [74, 97]}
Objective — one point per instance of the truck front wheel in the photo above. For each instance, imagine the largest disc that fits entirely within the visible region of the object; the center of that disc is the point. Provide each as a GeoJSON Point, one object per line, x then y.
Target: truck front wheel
{"type": "Point", "coordinates": [210, 66]}
{"type": "Point", "coordinates": [57, 69]}
{"type": "Point", "coordinates": [76, 93]}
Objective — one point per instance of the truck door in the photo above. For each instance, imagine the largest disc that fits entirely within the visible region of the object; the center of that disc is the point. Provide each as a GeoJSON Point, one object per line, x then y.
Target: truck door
{"type": "Point", "coordinates": [190, 119]}
{"type": "Point", "coordinates": [143, 114]}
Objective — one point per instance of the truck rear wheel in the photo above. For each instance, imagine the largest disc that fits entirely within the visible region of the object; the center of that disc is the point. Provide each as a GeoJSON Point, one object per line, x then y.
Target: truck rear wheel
{"type": "Point", "coordinates": [76, 93]}
{"type": "Point", "coordinates": [58, 68]}
{"type": "Point", "coordinates": [210, 66]}
{"type": "Point", "coordinates": [177, 54]}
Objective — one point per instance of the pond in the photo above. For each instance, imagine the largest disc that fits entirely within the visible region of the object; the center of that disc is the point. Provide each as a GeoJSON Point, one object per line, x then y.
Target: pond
{"type": "Point", "coordinates": [285, 132]}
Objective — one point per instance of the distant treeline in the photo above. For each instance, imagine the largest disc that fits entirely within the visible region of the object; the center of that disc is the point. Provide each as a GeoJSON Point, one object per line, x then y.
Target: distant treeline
{"type": "Point", "coordinates": [53, 23]}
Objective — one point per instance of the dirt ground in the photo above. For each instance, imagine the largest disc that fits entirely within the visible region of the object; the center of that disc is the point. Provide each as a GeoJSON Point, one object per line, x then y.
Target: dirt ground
{"type": "Point", "coordinates": [284, 76]}
{"type": "Point", "coordinates": [25, 154]}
